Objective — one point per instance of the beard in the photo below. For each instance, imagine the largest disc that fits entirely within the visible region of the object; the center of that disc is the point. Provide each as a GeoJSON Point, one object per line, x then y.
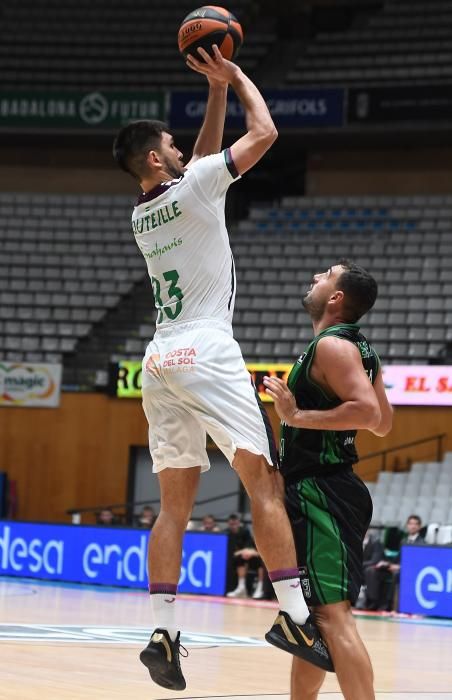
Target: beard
{"type": "Point", "coordinates": [173, 169]}
{"type": "Point", "coordinates": [315, 308]}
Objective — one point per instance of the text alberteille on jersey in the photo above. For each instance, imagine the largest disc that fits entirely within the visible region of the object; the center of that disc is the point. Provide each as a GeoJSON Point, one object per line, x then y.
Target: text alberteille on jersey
{"type": "Point", "coordinates": [154, 218]}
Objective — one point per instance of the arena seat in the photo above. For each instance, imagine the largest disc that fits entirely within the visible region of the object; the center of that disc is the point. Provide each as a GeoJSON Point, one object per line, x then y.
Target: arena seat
{"type": "Point", "coordinates": [424, 490]}
{"type": "Point", "coordinates": [444, 535]}
{"type": "Point", "coordinates": [64, 277]}
{"type": "Point", "coordinates": [389, 235]}
{"type": "Point", "coordinates": [398, 43]}
{"type": "Point", "coordinates": [99, 44]}
{"type": "Point", "coordinates": [64, 271]}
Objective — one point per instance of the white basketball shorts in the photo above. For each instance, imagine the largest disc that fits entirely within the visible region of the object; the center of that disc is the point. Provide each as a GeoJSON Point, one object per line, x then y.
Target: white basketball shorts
{"type": "Point", "coordinates": [194, 381]}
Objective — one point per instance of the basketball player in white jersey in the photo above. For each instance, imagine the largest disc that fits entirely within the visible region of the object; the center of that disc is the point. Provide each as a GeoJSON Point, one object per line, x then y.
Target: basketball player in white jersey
{"type": "Point", "coordinates": [194, 378]}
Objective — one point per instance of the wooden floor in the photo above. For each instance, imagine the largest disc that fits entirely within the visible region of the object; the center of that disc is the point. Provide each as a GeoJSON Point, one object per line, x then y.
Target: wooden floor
{"type": "Point", "coordinates": [72, 643]}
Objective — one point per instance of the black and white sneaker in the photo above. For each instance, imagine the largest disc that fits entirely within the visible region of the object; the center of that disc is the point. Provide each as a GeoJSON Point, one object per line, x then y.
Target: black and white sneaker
{"type": "Point", "coordinates": [300, 640]}
{"type": "Point", "coordinates": [161, 658]}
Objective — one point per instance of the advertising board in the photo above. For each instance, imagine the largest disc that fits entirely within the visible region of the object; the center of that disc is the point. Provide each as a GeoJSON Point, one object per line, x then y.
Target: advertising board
{"type": "Point", "coordinates": [426, 580]}
{"type": "Point", "coordinates": [108, 556]}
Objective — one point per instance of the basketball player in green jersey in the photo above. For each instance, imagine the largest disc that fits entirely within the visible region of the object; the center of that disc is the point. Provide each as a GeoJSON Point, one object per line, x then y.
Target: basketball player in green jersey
{"type": "Point", "coordinates": [335, 388]}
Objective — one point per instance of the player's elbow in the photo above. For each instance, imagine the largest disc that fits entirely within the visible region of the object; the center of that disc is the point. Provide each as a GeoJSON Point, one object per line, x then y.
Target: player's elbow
{"type": "Point", "coordinates": [267, 135]}
{"type": "Point", "coordinates": [381, 430]}
{"type": "Point", "coordinates": [385, 425]}
{"type": "Point", "coordinates": [272, 134]}
{"type": "Point", "coordinates": [371, 415]}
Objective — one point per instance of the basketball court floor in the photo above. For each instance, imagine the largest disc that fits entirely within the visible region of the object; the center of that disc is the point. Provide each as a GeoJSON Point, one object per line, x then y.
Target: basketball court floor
{"type": "Point", "coordinates": [66, 642]}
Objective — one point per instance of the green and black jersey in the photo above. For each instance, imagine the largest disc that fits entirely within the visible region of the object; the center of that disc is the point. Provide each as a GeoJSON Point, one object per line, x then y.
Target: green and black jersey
{"type": "Point", "coordinates": [306, 452]}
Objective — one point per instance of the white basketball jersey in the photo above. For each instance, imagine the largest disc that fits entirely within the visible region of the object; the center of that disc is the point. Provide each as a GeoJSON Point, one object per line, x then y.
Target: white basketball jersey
{"type": "Point", "coordinates": [180, 228]}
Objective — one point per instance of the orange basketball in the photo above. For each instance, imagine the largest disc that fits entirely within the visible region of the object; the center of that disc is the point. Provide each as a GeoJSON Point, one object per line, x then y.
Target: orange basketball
{"type": "Point", "coordinates": [210, 25]}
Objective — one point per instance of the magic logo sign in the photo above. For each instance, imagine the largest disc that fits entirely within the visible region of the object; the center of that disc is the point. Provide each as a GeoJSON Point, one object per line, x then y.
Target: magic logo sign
{"type": "Point", "coordinates": [23, 384]}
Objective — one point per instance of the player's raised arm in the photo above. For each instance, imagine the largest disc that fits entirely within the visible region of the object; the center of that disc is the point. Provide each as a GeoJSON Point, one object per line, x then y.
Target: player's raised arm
{"type": "Point", "coordinates": [261, 131]}
{"type": "Point", "coordinates": [210, 135]}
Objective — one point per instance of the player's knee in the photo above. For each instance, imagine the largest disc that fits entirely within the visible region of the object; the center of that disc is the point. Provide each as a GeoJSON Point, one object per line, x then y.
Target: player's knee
{"type": "Point", "coordinates": [334, 617]}
{"type": "Point", "coordinates": [245, 461]}
{"type": "Point", "coordinates": [175, 517]}
{"type": "Point", "coordinates": [267, 500]}
{"type": "Point", "coordinates": [258, 478]}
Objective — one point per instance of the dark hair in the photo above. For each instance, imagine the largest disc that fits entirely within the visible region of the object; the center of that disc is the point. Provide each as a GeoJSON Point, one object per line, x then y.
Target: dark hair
{"type": "Point", "coordinates": [415, 517]}
{"type": "Point", "coordinates": [234, 516]}
{"type": "Point", "coordinates": [360, 290]}
{"type": "Point", "coordinates": [133, 143]}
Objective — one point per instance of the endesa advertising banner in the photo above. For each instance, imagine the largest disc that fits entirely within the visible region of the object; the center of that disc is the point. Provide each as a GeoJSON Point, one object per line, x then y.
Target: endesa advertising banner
{"type": "Point", "coordinates": [106, 556]}
{"type": "Point", "coordinates": [426, 580]}
{"type": "Point", "coordinates": [418, 385]}
{"type": "Point", "coordinates": [296, 108]}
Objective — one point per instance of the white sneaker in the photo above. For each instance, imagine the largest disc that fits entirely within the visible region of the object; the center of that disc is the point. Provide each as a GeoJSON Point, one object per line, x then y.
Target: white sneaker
{"type": "Point", "coordinates": [259, 591]}
{"type": "Point", "coordinates": [237, 593]}
{"type": "Point", "coordinates": [361, 601]}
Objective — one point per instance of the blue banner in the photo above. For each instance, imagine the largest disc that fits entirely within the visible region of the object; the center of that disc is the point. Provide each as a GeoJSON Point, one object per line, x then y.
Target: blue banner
{"type": "Point", "coordinates": [108, 556]}
{"type": "Point", "coordinates": [426, 580]}
{"type": "Point", "coordinates": [296, 109]}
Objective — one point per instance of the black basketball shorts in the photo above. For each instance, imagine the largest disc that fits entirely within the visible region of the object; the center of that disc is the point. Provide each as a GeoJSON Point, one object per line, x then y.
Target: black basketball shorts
{"type": "Point", "coordinates": [329, 517]}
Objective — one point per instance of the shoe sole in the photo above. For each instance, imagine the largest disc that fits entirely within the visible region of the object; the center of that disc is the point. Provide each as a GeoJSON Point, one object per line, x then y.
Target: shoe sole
{"type": "Point", "coordinates": [301, 652]}
{"type": "Point", "coordinates": [158, 670]}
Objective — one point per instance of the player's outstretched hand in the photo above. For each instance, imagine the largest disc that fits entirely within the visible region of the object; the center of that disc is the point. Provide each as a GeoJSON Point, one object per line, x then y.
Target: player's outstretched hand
{"type": "Point", "coordinates": [285, 404]}
{"type": "Point", "coordinates": [216, 69]}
